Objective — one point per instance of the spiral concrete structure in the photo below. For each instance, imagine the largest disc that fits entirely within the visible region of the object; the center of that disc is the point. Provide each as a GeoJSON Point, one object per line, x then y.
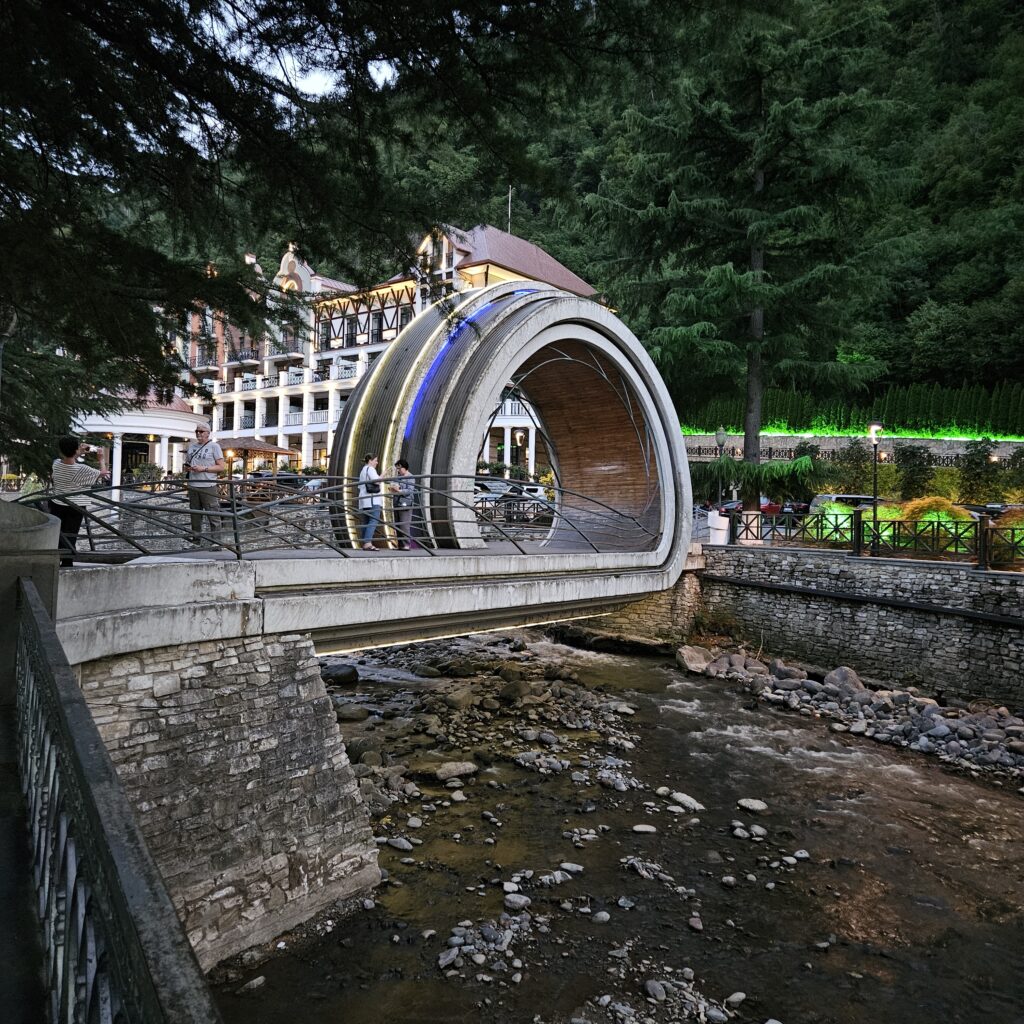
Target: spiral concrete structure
{"type": "Point", "coordinates": [608, 423]}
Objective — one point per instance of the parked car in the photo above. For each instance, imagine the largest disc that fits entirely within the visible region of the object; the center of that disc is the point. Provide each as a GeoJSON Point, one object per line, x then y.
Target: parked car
{"type": "Point", "coordinates": [768, 507]}
{"type": "Point", "coordinates": [496, 486]}
{"type": "Point", "coordinates": [790, 507]}
{"type": "Point", "coordinates": [850, 500]}
{"type": "Point", "coordinates": [994, 509]}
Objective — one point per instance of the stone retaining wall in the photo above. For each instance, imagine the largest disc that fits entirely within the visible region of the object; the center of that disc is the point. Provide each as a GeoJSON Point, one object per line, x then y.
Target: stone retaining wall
{"type": "Point", "coordinates": [666, 615]}
{"type": "Point", "coordinates": [940, 651]}
{"type": "Point", "coordinates": [231, 754]}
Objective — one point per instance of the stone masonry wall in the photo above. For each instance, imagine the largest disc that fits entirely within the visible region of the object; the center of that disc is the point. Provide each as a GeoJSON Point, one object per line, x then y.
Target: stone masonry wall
{"type": "Point", "coordinates": [665, 615]}
{"type": "Point", "coordinates": [940, 652]}
{"type": "Point", "coordinates": [231, 753]}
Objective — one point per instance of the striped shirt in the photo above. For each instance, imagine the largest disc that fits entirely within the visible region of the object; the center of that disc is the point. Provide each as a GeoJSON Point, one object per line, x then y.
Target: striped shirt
{"type": "Point", "coordinates": [76, 477]}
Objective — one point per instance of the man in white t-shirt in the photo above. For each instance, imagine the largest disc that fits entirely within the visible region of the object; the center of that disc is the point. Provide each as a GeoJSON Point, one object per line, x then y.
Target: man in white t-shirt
{"type": "Point", "coordinates": [67, 476]}
{"type": "Point", "coordinates": [203, 461]}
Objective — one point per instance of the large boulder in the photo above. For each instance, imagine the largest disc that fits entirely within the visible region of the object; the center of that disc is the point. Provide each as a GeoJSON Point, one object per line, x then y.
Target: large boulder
{"type": "Point", "coordinates": [338, 673]}
{"type": "Point", "coordinates": [845, 679]}
{"type": "Point", "coordinates": [693, 658]}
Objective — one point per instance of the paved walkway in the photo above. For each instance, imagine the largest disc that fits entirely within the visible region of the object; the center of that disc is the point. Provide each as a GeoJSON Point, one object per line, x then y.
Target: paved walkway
{"type": "Point", "coordinates": [21, 959]}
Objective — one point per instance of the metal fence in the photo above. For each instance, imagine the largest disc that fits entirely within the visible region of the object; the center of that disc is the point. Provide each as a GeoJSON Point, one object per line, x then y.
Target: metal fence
{"type": "Point", "coordinates": [975, 541]}
{"type": "Point", "coordinates": [114, 949]}
{"type": "Point", "coordinates": [707, 452]}
{"type": "Point", "coordinates": [262, 515]}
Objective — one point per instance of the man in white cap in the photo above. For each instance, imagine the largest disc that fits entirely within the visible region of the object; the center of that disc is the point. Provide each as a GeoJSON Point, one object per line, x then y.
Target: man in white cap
{"type": "Point", "coordinates": [203, 461]}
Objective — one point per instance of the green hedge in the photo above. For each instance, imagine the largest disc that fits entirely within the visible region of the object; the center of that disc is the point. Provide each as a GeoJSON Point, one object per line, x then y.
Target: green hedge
{"type": "Point", "coordinates": [928, 409]}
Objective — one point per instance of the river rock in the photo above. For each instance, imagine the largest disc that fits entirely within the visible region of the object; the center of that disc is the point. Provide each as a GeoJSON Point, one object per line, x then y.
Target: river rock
{"type": "Point", "coordinates": [454, 770]}
{"type": "Point", "coordinates": [687, 802]}
{"type": "Point", "coordinates": [601, 917]}
{"type": "Point", "coordinates": [844, 679]}
{"type": "Point", "coordinates": [654, 990]}
{"type": "Point", "coordinates": [338, 673]}
{"type": "Point", "coordinates": [735, 999]}
{"type": "Point", "coordinates": [694, 659]}
{"type": "Point", "coordinates": [448, 957]}
{"type": "Point", "coordinates": [517, 901]}
{"type": "Point", "coordinates": [460, 699]}
{"type": "Point", "coordinates": [348, 711]}
{"type": "Point", "coordinates": [644, 828]}
{"type": "Point", "coordinates": [400, 844]}
{"type": "Point", "coordinates": [752, 805]}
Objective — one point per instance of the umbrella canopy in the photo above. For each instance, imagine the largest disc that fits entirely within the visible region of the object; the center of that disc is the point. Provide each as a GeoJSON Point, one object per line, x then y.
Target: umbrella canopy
{"type": "Point", "coordinates": [247, 446]}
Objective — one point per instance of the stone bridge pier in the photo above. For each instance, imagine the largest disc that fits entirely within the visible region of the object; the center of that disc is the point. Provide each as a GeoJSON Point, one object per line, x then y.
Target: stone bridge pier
{"type": "Point", "coordinates": [230, 752]}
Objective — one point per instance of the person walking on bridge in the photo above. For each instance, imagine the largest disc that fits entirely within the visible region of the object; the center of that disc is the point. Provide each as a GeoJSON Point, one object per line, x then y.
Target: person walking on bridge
{"type": "Point", "coordinates": [371, 500]}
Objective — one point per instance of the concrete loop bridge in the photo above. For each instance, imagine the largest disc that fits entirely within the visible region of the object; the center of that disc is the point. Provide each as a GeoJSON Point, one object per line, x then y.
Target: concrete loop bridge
{"type": "Point", "coordinates": [613, 523]}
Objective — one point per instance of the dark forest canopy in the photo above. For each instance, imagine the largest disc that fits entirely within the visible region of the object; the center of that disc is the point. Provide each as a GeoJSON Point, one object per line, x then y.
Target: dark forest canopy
{"type": "Point", "coordinates": [143, 144]}
{"type": "Point", "coordinates": [889, 217]}
{"type": "Point", "coordinates": [819, 196]}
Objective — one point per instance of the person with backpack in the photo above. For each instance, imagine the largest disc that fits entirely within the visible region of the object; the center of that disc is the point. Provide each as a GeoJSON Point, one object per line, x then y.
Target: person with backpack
{"type": "Point", "coordinates": [371, 500]}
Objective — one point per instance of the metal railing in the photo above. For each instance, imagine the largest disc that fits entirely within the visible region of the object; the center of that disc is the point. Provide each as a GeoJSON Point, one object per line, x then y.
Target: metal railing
{"type": "Point", "coordinates": [707, 452]}
{"type": "Point", "coordinates": [114, 948]}
{"type": "Point", "coordinates": [264, 514]}
{"type": "Point", "coordinates": [976, 541]}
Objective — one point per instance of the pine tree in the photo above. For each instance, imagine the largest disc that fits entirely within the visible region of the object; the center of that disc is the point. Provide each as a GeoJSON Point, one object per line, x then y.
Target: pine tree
{"type": "Point", "coordinates": [733, 188]}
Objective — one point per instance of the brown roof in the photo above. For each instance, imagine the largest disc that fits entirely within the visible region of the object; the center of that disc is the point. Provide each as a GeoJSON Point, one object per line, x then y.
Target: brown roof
{"type": "Point", "coordinates": [250, 444]}
{"type": "Point", "coordinates": [488, 244]}
{"type": "Point", "coordinates": [329, 284]}
{"type": "Point", "coordinates": [176, 404]}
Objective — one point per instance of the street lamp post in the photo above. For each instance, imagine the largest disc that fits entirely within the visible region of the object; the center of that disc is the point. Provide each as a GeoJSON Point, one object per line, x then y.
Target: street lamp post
{"type": "Point", "coordinates": [874, 432]}
{"type": "Point", "coordinates": [720, 439]}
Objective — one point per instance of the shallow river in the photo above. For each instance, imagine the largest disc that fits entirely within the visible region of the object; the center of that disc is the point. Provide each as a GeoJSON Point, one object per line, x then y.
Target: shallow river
{"type": "Point", "coordinates": [908, 910]}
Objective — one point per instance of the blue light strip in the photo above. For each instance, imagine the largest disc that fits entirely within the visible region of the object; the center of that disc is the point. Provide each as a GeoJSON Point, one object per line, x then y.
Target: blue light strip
{"type": "Point", "coordinates": [453, 336]}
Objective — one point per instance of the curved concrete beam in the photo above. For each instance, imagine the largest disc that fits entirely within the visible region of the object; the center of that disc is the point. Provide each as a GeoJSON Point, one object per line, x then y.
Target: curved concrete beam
{"type": "Point", "coordinates": [431, 395]}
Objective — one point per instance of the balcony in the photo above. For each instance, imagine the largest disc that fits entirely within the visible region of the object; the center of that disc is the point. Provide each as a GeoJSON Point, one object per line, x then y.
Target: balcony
{"type": "Point", "coordinates": [204, 360]}
{"type": "Point", "coordinates": [293, 419]}
{"type": "Point", "coordinates": [248, 384]}
{"type": "Point", "coordinates": [247, 421]}
{"type": "Point", "coordinates": [268, 421]}
{"type": "Point", "coordinates": [283, 350]}
{"type": "Point", "coordinates": [244, 355]}
{"type": "Point", "coordinates": [318, 415]}
{"type": "Point", "coordinates": [224, 386]}
{"type": "Point", "coordinates": [346, 372]}
{"type": "Point", "coordinates": [292, 378]}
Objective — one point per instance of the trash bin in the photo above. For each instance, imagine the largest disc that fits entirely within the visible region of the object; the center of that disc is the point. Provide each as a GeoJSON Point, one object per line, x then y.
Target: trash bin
{"type": "Point", "coordinates": [718, 528]}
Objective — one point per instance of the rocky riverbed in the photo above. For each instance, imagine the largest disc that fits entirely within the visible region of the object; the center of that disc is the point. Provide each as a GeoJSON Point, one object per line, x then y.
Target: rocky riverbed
{"type": "Point", "coordinates": [569, 836]}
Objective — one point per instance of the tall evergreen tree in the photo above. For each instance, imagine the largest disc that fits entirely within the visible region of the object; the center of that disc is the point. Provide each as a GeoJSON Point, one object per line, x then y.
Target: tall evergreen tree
{"type": "Point", "coordinates": [734, 191]}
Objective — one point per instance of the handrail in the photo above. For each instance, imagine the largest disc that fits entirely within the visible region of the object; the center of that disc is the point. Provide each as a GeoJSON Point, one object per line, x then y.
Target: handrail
{"type": "Point", "coordinates": [265, 515]}
{"type": "Point", "coordinates": [976, 541]}
{"type": "Point", "coordinates": [114, 947]}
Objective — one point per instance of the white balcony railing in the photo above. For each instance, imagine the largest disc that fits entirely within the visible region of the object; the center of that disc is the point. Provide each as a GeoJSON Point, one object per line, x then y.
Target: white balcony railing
{"type": "Point", "coordinates": [293, 419]}
{"type": "Point", "coordinates": [318, 415]}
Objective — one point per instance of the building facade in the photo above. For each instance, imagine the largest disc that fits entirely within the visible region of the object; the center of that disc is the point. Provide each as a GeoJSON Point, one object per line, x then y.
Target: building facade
{"type": "Point", "coordinates": [288, 390]}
